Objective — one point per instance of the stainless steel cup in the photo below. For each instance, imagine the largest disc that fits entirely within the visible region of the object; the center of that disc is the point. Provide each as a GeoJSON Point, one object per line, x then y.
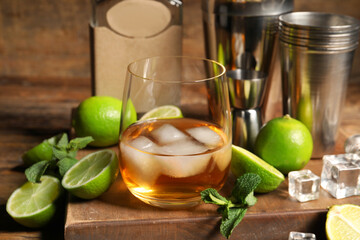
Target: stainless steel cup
{"type": "Point", "coordinates": [316, 56]}
{"type": "Point", "coordinates": [247, 90]}
{"type": "Point", "coordinates": [242, 34]}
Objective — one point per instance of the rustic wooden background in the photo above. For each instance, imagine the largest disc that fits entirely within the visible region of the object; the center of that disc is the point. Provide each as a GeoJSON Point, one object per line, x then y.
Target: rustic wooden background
{"type": "Point", "coordinates": [47, 38]}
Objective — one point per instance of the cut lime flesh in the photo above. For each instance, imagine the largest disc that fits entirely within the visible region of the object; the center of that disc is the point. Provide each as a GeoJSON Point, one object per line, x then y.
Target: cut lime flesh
{"type": "Point", "coordinates": [343, 222]}
{"type": "Point", "coordinates": [92, 175]}
{"type": "Point", "coordinates": [32, 204]}
{"type": "Point", "coordinates": [163, 112]}
{"type": "Point", "coordinates": [244, 161]}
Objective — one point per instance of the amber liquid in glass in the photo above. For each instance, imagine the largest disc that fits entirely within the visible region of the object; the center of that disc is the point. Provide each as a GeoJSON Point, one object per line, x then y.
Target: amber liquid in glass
{"type": "Point", "coordinates": [174, 164]}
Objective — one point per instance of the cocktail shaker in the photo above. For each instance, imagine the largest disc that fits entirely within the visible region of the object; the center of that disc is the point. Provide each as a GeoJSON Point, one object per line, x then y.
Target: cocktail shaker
{"type": "Point", "coordinates": [241, 35]}
{"type": "Point", "coordinates": [317, 51]}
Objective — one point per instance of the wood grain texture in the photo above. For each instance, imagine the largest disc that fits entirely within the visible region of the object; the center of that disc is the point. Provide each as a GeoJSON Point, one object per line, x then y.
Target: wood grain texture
{"type": "Point", "coordinates": [118, 214]}
{"type": "Point", "coordinates": [45, 38]}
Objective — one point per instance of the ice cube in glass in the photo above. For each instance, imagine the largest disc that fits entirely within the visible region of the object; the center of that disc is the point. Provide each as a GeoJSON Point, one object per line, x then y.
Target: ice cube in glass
{"type": "Point", "coordinates": [205, 135]}
{"type": "Point", "coordinates": [340, 175]}
{"type": "Point", "coordinates": [301, 236]}
{"type": "Point", "coordinates": [167, 133]}
{"type": "Point", "coordinates": [304, 185]}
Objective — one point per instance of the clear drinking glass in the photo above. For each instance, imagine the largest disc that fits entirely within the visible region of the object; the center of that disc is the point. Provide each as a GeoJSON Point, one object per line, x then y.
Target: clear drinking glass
{"type": "Point", "coordinates": [167, 162]}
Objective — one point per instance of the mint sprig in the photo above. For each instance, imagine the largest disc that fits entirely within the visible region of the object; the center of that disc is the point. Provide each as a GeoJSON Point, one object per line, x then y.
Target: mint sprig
{"type": "Point", "coordinates": [63, 157]}
{"type": "Point", "coordinates": [233, 209]}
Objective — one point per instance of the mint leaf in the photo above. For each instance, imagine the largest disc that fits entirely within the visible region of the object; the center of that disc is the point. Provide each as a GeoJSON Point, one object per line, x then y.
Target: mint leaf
{"type": "Point", "coordinates": [65, 164]}
{"type": "Point", "coordinates": [233, 209]}
{"type": "Point", "coordinates": [59, 153]}
{"type": "Point", "coordinates": [79, 143]}
{"type": "Point", "coordinates": [63, 141]}
{"type": "Point", "coordinates": [34, 173]}
{"type": "Point", "coordinates": [63, 157]}
{"type": "Point", "coordinates": [244, 186]}
{"type": "Point", "coordinates": [231, 219]}
{"type": "Point", "coordinates": [210, 195]}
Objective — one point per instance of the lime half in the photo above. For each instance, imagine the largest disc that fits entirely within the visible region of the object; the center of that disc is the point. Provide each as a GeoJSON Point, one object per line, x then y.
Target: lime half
{"type": "Point", "coordinates": [92, 175]}
{"type": "Point", "coordinates": [243, 161]}
{"type": "Point", "coordinates": [164, 112]}
{"type": "Point", "coordinates": [32, 204]}
{"type": "Point", "coordinates": [343, 222]}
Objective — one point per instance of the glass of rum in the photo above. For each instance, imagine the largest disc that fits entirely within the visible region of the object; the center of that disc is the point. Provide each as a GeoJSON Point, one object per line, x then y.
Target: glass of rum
{"type": "Point", "coordinates": [183, 146]}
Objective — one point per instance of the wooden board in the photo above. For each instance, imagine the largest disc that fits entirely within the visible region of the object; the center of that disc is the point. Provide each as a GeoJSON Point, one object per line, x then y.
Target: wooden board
{"type": "Point", "coordinates": [118, 214]}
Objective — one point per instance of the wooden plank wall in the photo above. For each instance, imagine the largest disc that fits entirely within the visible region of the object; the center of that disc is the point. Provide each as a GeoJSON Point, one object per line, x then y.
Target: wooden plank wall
{"type": "Point", "coordinates": [47, 38]}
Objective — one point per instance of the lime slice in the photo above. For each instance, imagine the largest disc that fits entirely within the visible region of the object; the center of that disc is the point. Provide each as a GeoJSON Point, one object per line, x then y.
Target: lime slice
{"type": "Point", "coordinates": [92, 175]}
{"type": "Point", "coordinates": [243, 161]}
{"type": "Point", "coordinates": [32, 204]}
{"type": "Point", "coordinates": [343, 222]}
{"type": "Point", "coordinates": [164, 112]}
{"type": "Point", "coordinates": [40, 152]}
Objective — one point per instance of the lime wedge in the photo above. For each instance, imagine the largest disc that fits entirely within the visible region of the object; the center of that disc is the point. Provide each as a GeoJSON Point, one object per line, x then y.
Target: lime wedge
{"type": "Point", "coordinates": [40, 152]}
{"type": "Point", "coordinates": [164, 112]}
{"type": "Point", "coordinates": [243, 161]}
{"type": "Point", "coordinates": [32, 204]}
{"type": "Point", "coordinates": [92, 175]}
{"type": "Point", "coordinates": [343, 222]}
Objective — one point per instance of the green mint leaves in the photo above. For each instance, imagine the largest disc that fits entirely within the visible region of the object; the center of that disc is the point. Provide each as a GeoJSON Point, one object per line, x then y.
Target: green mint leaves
{"type": "Point", "coordinates": [63, 157]}
{"type": "Point", "coordinates": [234, 208]}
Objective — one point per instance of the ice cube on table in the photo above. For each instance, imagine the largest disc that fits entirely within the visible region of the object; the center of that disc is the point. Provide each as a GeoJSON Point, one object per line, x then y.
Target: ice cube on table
{"type": "Point", "coordinates": [340, 175]}
{"type": "Point", "coordinates": [304, 185]}
{"type": "Point", "coordinates": [352, 144]}
{"type": "Point", "coordinates": [301, 236]}
{"type": "Point", "coordinates": [183, 147]}
{"type": "Point", "coordinates": [205, 135]}
{"type": "Point", "coordinates": [167, 133]}
{"type": "Point", "coordinates": [144, 144]}
{"type": "Point", "coordinates": [142, 167]}
{"type": "Point", "coordinates": [183, 166]}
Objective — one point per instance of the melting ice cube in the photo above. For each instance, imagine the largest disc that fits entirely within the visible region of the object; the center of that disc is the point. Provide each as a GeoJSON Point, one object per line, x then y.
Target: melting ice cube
{"type": "Point", "coordinates": [184, 147]}
{"type": "Point", "coordinates": [143, 167]}
{"type": "Point", "coordinates": [183, 166]}
{"type": "Point", "coordinates": [205, 135]}
{"type": "Point", "coordinates": [222, 157]}
{"type": "Point", "coordinates": [144, 144]}
{"type": "Point", "coordinates": [168, 134]}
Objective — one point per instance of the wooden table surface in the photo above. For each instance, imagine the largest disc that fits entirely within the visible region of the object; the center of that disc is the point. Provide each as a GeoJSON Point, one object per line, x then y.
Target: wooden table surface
{"type": "Point", "coordinates": [34, 109]}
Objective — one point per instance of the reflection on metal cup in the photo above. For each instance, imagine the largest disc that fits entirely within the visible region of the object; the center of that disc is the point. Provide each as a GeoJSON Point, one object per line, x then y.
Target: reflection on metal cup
{"type": "Point", "coordinates": [317, 51]}
{"type": "Point", "coordinates": [242, 34]}
{"type": "Point", "coordinates": [247, 90]}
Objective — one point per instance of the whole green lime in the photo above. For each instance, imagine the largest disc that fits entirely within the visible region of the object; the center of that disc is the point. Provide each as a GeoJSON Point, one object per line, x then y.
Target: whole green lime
{"type": "Point", "coordinates": [284, 143]}
{"type": "Point", "coordinates": [99, 117]}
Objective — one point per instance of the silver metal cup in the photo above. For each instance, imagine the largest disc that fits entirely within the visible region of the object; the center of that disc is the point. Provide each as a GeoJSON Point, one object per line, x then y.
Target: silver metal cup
{"type": "Point", "coordinates": [247, 90]}
{"type": "Point", "coordinates": [316, 56]}
{"type": "Point", "coordinates": [242, 34]}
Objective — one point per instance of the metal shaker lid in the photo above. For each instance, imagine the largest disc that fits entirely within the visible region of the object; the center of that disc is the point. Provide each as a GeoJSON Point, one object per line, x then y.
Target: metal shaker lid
{"type": "Point", "coordinates": [248, 7]}
{"type": "Point", "coordinates": [320, 31]}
